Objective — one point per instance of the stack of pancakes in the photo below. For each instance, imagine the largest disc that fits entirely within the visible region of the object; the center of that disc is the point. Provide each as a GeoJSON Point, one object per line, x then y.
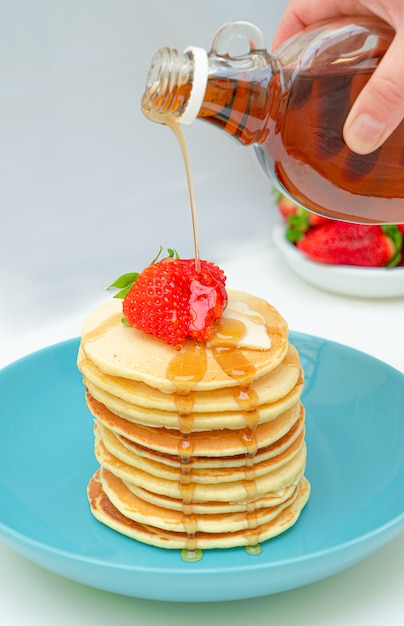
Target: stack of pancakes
{"type": "Point", "coordinates": [201, 447]}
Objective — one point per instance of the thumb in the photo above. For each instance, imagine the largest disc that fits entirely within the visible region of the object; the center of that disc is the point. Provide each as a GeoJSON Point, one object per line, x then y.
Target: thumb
{"type": "Point", "coordinates": [379, 108]}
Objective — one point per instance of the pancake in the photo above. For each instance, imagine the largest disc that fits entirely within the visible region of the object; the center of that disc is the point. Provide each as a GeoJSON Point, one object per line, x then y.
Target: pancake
{"type": "Point", "coordinates": [269, 388]}
{"type": "Point", "coordinates": [144, 458]}
{"type": "Point", "coordinates": [107, 513]}
{"type": "Point", "coordinates": [274, 498]}
{"type": "Point", "coordinates": [232, 459]}
{"type": "Point", "coordinates": [129, 353]}
{"type": "Point", "coordinates": [200, 421]}
{"type": "Point", "coordinates": [144, 512]}
{"type": "Point", "coordinates": [283, 474]}
{"type": "Point", "coordinates": [207, 443]}
{"type": "Point", "coordinates": [202, 446]}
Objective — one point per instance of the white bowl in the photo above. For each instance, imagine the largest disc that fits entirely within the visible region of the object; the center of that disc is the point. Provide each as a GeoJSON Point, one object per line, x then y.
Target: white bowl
{"type": "Point", "coordinates": [364, 282]}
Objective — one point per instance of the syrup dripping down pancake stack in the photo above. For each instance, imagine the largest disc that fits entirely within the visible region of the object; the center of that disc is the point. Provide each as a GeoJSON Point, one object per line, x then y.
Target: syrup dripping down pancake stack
{"type": "Point", "coordinates": [201, 447]}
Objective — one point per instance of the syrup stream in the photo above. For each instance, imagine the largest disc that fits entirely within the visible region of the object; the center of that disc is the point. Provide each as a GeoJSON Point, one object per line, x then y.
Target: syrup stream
{"type": "Point", "coordinates": [169, 119]}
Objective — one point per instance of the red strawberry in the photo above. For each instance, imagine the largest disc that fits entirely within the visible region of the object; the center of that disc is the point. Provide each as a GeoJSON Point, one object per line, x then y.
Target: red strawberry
{"type": "Point", "coordinates": [172, 300]}
{"type": "Point", "coordinates": [285, 206]}
{"type": "Point", "coordinates": [207, 299]}
{"type": "Point", "coordinates": [344, 243]}
{"type": "Point", "coordinates": [298, 219]}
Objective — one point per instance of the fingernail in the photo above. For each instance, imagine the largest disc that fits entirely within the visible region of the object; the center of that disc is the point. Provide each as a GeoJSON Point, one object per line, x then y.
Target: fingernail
{"type": "Point", "coordinates": [364, 133]}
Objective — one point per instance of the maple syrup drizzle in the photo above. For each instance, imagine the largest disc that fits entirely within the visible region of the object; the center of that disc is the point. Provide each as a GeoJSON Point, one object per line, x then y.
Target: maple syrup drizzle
{"type": "Point", "coordinates": [236, 365]}
{"type": "Point", "coordinates": [101, 329]}
{"type": "Point", "coordinates": [170, 120]}
{"type": "Point", "coordinates": [186, 368]}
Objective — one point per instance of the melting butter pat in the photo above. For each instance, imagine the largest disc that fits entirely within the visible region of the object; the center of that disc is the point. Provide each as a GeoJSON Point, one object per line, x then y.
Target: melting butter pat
{"type": "Point", "coordinates": [255, 336]}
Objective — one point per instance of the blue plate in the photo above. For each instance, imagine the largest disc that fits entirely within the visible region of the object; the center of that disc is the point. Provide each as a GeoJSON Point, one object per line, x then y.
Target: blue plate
{"type": "Point", "coordinates": [355, 438]}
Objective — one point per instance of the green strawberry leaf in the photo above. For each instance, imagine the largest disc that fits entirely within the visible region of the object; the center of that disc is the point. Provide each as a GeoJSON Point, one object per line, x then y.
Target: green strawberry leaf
{"type": "Point", "coordinates": [124, 283]}
{"type": "Point", "coordinates": [124, 280]}
{"type": "Point", "coordinates": [395, 260]}
{"type": "Point", "coordinates": [156, 258]}
{"type": "Point", "coordinates": [123, 292]}
{"type": "Point", "coordinates": [396, 237]}
{"type": "Point", "coordinates": [173, 253]}
{"type": "Point", "coordinates": [297, 225]}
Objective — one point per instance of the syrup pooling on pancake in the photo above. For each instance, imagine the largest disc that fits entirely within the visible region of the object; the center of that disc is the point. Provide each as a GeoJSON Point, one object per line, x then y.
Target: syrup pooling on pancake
{"type": "Point", "coordinates": [102, 328]}
{"type": "Point", "coordinates": [270, 387]}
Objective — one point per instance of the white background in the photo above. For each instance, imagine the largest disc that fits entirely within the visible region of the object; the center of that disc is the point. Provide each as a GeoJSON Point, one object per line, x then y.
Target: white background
{"type": "Point", "coordinates": [88, 190]}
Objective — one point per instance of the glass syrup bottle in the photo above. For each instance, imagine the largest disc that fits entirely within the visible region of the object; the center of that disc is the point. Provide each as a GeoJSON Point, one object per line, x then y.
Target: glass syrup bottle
{"type": "Point", "coordinates": [291, 106]}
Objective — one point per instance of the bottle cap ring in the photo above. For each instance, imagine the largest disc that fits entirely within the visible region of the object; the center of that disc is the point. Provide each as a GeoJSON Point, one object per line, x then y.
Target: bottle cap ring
{"type": "Point", "coordinates": [199, 82]}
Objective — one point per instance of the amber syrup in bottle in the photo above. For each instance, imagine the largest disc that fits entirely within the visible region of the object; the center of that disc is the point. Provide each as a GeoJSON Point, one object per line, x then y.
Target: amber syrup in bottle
{"type": "Point", "coordinates": [291, 106]}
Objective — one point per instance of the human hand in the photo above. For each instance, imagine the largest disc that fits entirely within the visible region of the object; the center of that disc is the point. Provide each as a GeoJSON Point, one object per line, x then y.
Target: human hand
{"type": "Point", "coordinates": [379, 108]}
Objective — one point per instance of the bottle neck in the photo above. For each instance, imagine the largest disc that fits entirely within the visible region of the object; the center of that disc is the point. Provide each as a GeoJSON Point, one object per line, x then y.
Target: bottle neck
{"type": "Point", "coordinates": [232, 92]}
{"type": "Point", "coordinates": [239, 95]}
{"type": "Point", "coordinates": [176, 84]}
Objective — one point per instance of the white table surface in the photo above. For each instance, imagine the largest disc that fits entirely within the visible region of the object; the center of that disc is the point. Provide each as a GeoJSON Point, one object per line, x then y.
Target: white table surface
{"type": "Point", "coordinates": [369, 593]}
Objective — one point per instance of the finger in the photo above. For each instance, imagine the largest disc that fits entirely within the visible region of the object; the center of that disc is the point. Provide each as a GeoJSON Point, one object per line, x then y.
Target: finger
{"type": "Point", "coordinates": [290, 25]}
{"type": "Point", "coordinates": [302, 13]}
{"type": "Point", "coordinates": [379, 108]}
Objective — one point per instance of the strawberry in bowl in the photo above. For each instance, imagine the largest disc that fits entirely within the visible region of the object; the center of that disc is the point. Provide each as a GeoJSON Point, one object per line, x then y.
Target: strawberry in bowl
{"type": "Point", "coordinates": [352, 259]}
{"type": "Point", "coordinates": [342, 243]}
